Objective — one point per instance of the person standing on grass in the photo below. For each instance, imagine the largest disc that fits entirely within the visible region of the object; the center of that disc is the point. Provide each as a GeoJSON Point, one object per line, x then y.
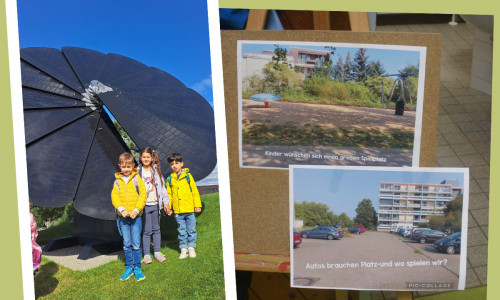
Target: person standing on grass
{"type": "Point", "coordinates": [129, 197]}
{"type": "Point", "coordinates": [185, 202]}
{"type": "Point", "coordinates": [157, 199]}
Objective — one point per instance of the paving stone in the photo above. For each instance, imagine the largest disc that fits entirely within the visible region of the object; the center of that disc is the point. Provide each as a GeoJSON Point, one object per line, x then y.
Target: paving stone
{"type": "Point", "coordinates": [475, 237]}
{"type": "Point", "coordinates": [481, 216]}
{"type": "Point", "coordinates": [478, 201]}
{"type": "Point", "coordinates": [478, 255]}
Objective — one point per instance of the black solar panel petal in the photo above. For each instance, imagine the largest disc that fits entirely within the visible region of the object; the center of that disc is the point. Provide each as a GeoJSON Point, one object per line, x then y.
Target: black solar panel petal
{"type": "Point", "coordinates": [150, 77]}
{"type": "Point", "coordinates": [52, 62]}
{"type": "Point", "coordinates": [33, 99]}
{"type": "Point", "coordinates": [117, 66]}
{"type": "Point", "coordinates": [173, 129]}
{"type": "Point", "coordinates": [72, 150]}
{"type": "Point", "coordinates": [55, 163]}
{"type": "Point", "coordinates": [39, 123]}
{"type": "Point", "coordinates": [93, 195]}
{"type": "Point", "coordinates": [86, 63]}
{"type": "Point", "coordinates": [36, 79]}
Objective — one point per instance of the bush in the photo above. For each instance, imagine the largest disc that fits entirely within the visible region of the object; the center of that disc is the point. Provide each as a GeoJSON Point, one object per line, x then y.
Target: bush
{"type": "Point", "coordinates": [359, 93]}
{"type": "Point", "coordinates": [52, 216]}
{"type": "Point", "coordinates": [326, 88]}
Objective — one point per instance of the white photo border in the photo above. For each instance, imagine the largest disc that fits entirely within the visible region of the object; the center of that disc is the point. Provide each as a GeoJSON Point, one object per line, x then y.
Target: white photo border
{"type": "Point", "coordinates": [465, 208]}
{"type": "Point", "coordinates": [420, 93]}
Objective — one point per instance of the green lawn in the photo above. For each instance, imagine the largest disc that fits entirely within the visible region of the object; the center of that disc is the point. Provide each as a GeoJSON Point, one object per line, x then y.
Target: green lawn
{"type": "Point", "coordinates": [290, 135]}
{"type": "Point", "coordinates": [201, 277]}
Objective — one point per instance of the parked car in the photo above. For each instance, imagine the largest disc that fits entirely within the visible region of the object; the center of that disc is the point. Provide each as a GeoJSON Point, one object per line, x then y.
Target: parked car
{"type": "Point", "coordinates": [356, 230]}
{"type": "Point", "coordinates": [340, 232]}
{"type": "Point", "coordinates": [363, 229]}
{"type": "Point", "coordinates": [427, 236]}
{"type": "Point", "coordinates": [321, 232]}
{"type": "Point", "coordinates": [450, 244]}
{"type": "Point", "coordinates": [297, 239]}
{"type": "Point", "coordinates": [414, 231]}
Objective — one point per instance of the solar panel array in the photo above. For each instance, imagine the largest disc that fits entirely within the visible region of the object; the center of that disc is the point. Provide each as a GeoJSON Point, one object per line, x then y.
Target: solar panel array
{"type": "Point", "coordinates": [72, 146]}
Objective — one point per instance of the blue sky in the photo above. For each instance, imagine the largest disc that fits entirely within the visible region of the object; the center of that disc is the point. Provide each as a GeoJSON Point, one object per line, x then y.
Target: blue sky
{"type": "Point", "coordinates": [342, 190]}
{"type": "Point", "coordinates": [392, 60]}
{"type": "Point", "coordinates": [169, 35]}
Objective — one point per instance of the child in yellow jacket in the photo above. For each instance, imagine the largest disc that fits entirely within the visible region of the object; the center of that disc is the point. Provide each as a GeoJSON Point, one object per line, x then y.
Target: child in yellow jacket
{"type": "Point", "coordinates": [129, 197]}
{"type": "Point", "coordinates": [185, 202]}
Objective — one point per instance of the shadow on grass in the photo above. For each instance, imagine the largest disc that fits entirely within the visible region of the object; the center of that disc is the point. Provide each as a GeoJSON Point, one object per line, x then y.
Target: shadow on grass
{"type": "Point", "coordinates": [45, 282]}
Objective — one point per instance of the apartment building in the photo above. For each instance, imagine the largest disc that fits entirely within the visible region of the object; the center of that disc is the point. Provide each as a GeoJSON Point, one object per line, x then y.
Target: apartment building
{"type": "Point", "coordinates": [410, 204]}
{"type": "Point", "coordinates": [302, 60]}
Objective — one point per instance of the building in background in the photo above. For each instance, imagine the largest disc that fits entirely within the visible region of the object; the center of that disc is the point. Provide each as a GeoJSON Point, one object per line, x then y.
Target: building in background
{"type": "Point", "coordinates": [301, 60]}
{"type": "Point", "coordinates": [410, 204]}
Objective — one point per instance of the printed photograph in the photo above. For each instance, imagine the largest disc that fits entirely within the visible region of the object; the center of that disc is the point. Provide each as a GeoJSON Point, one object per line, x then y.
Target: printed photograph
{"type": "Point", "coordinates": [329, 104]}
{"type": "Point", "coordinates": [378, 228]}
{"type": "Point", "coordinates": [120, 150]}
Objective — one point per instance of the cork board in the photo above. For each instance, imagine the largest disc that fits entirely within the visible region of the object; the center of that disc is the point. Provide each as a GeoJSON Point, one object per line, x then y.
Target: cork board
{"type": "Point", "coordinates": [260, 197]}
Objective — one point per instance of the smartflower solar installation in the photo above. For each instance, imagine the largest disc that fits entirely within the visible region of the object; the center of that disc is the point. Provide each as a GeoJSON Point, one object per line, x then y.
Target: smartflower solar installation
{"type": "Point", "coordinates": [72, 145]}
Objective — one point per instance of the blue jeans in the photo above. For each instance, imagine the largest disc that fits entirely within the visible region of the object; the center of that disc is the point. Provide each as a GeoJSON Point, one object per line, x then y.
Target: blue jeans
{"type": "Point", "coordinates": [131, 231]}
{"type": "Point", "coordinates": [186, 227]}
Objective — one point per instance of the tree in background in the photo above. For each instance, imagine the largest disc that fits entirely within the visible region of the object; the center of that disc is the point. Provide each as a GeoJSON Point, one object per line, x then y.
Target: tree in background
{"type": "Point", "coordinates": [344, 220]}
{"type": "Point", "coordinates": [313, 213]}
{"type": "Point", "coordinates": [453, 214]}
{"type": "Point", "coordinates": [280, 56]}
{"type": "Point", "coordinates": [366, 214]}
{"type": "Point", "coordinates": [375, 69]}
{"type": "Point", "coordinates": [360, 65]}
{"type": "Point", "coordinates": [339, 70]}
{"type": "Point", "coordinates": [348, 70]}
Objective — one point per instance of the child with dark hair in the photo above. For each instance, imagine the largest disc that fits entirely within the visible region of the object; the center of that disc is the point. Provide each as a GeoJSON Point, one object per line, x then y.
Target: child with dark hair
{"type": "Point", "coordinates": [185, 202]}
{"type": "Point", "coordinates": [129, 197]}
{"type": "Point", "coordinates": [157, 199]}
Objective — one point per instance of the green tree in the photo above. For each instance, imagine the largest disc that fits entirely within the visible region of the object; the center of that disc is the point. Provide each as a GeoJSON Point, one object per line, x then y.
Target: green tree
{"type": "Point", "coordinates": [280, 56]}
{"type": "Point", "coordinates": [360, 65]}
{"type": "Point", "coordinates": [375, 69]}
{"type": "Point", "coordinates": [411, 69]}
{"type": "Point", "coordinates": [339, 70]}
{"type": "Point", "coordinates": [366, 214]}
{"type": "Point", "coordinates": [277, 80]}
{"type": "Point", "coordinates": [313, 213]}
{"type": "Point", "coordinates": [453, 214]}
{"type": "Point", "coordinates": [344, 220]}
{"type": "Point", "coordinates": [348, 69]}
{"type": "Point", "coordinates": [434, 222]}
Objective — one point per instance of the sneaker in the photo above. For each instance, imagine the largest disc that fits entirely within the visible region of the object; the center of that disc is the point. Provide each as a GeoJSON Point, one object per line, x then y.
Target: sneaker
{"type": "Point", "coordinates": [138, 274]}
{"type": "Point", "coordinates": [183, 253]}
{"type": "Point", "coordinates": [126, 275]}
{"type": "Point", "coordinates": [147, 259]}
{"type": "Point", "coordinates": [160, 257]}
{"type": "Point", "coordinates": [191, 252]}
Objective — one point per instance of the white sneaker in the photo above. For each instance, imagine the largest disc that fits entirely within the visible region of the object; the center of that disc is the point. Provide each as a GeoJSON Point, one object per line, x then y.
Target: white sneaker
{"type": "Point", "coordinates": [183, 253]}
{"type": "Point", "coordinates": [191, 252]}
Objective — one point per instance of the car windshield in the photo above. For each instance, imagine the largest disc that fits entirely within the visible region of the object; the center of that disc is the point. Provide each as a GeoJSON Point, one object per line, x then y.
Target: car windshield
{"type": "Point", "coordinates": [455, 235]}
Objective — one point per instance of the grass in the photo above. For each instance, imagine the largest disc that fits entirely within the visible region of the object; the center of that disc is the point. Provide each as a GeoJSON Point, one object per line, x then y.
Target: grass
{"type": "Point", "coordinates": [60, 230]}
{"type": "Point", "coordinates": [290, 135]}
{"type": "Point", "coordinates": [201, 277]}
{"type": "Point", "coordinates": [417, 251]}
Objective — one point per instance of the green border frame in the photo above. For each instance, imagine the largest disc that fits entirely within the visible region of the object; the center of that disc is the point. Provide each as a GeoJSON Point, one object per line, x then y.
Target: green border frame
{"type": "Point", "coordinates": [9, 222]}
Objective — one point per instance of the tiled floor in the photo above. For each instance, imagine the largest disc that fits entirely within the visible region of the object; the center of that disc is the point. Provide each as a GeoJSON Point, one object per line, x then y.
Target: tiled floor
{"type": "Point", "coordinates": [463, 139]}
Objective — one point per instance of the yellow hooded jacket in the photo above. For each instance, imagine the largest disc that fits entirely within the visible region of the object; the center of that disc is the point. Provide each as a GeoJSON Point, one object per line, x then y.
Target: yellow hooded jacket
{"type": "Point", "coordinates": [126, 195]}
{"type": "Point", "coordinates": [182, 200]}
